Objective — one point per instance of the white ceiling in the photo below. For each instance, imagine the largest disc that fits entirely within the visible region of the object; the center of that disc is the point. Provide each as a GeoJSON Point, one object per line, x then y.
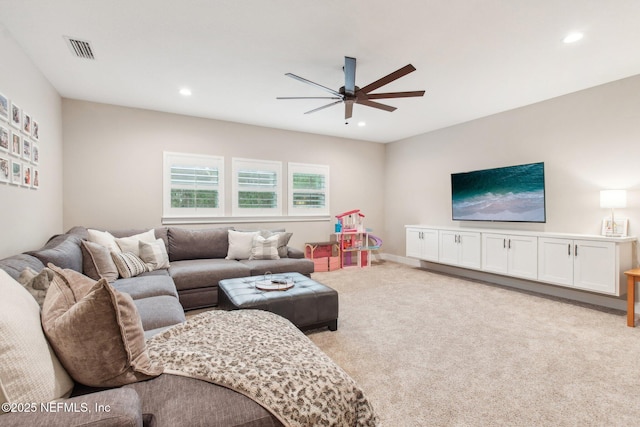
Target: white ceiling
{"type": "Point", "coordinates": [473, 57]}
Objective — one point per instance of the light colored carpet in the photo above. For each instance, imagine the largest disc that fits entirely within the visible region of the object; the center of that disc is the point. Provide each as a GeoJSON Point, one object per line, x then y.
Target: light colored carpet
{"type": "Point", "coordinates": [435, 350]}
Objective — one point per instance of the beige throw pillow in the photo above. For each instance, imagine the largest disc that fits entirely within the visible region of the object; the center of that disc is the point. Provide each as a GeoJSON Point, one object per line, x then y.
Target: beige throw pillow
{"type": "Point", "coordinates": [97, 262]}
{"type": "Point", "coordinates": [30, 370]}
{"type": "Point", "coordinates": [265, 248]}
{"type": "Point", "coordinates": [36, 283]}
{"type": "Point", "coordinates": [240, 244]}
{"type": "Point", "coordinates": [154, 254]}
{"type": "Point", "coordinates": [96, 331]}
{"type": "Point", "coordinates": [130, 244]}
{"type": "Point", "coordinates": [103, 238]}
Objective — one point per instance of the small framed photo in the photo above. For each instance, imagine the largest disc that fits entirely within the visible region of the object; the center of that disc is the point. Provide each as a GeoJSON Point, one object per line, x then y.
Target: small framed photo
{"type": "Point", "coordinates": [4, 107]}
{"type": "Point", "coordinates": [16, 172]}
{"type": "Point", "coordinates": [35, 130]}
{"type": "Point", "coordinates": [4, 138]}
{"type": "Point", "coordinates": [16, 144]}
{"type": "Point", "coordinates": [26, 123]}
{"type": "Point", "coordinates": [35, 181]}
{"type": "Point", "coordinates": [618, 228]}
{"type": "Point", "coordinates": [5, 168]}
{"type": "Point", "coordinates": [16, 116]}
{"type": "Point", "coordinates": [27, 175]}
{"type": "Point", "coordinates": [26, 149]}
{"type": "Point", "coordinates": [35, 153]}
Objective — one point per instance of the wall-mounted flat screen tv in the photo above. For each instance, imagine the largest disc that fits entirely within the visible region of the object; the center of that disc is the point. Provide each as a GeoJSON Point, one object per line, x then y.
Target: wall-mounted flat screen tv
{"type": "Point", "coordinates": [509, 194]}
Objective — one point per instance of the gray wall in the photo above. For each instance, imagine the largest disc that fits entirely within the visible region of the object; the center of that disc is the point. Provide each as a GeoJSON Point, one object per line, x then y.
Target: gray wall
{"type": "Point", "coordinates": [29, 217]}
{"type": "Point", "coordinates": [589, 140]}
{"type": "Point", "coordinates": [113, 165]}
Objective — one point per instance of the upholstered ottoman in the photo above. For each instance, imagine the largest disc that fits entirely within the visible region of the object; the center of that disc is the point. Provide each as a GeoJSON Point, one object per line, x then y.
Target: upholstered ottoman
{"type": "Point", "coordinates": [308, 304]}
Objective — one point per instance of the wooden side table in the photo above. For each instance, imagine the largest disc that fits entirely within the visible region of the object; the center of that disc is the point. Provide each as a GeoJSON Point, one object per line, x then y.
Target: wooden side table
{"type": "Point", "coordinates": [632, 276]}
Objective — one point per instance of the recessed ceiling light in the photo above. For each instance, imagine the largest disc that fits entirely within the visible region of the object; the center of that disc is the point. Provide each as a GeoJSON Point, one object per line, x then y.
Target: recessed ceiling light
{"type": "Point", "coordinates": [362, 124]}
{"type": "Point", "coordinates": [573, 37]}
{"type": "Point", "coordinates": [185, 91]}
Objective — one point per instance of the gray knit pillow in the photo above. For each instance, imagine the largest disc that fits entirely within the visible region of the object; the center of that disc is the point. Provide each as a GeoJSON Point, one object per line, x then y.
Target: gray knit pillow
{"type": "Point", "coordinates": [265, 248]}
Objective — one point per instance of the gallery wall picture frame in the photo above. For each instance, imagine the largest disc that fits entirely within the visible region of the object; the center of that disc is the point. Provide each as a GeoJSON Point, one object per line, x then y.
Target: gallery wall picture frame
{"type": "Point", "coordinates": [16, 116]}
{"type": "Point", "coordinates": [5, 135]}
{"type": "Point", "coordinates": [4, 107]}
{"type": "Point", "coordinates": [26, 123]}
{"type": "Point", "coordinates": [16, 143]}
{"type": "Point", "coordinates": [5, 169]}
{"type": "Point", "coordinates": [27, 175]}
{"type": "Point", "coordinates": [26, 149]}
{"type": "Point", "coordinates": [16, 172]}
{"type": "Point", "coordinates": [35, 130]}
{"type": "Point", "coordinates": [35, 182]}
{"type": "Point", "coordinates": [35, 153]}
{"type": "Point", "coordinates": [618, 228]}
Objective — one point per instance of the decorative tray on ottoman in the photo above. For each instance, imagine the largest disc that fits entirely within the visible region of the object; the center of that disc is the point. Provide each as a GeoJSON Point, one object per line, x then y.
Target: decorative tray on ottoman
{"type": "Point", "coordinates": [274, 283]}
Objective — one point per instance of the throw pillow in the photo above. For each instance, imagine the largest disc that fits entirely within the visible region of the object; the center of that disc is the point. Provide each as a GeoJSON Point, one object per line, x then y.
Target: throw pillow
{"type": "Point", "coordinates": [128, 264]}
{"type": "Point", "coordinates": [96, 331]}
{"type": "Point", "coordinates": [154, 254]}
{"type": "Point", "coordinates": [265, 248]}
{"type": "Point", "coordinates": [283, 242]}
{"type": "Point", "coordinates": [130, 244]}
{"type": "Point", "coordinates": [240, 244]}
{"type": "Point", "coordinates": [30, 370]}
{"type": "Point", "coordinates": [36, 283]}
{"type": "Point", "coordinates": [103, 238]}
{"type": "Point", "coordinates": [97, 262]}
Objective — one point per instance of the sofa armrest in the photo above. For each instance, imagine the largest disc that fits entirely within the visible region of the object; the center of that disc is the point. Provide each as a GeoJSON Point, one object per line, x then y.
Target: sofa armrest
{"type": "Point", "coordinates": [294, 253]}
{"type": "Point", "coordinates": [119, 407]}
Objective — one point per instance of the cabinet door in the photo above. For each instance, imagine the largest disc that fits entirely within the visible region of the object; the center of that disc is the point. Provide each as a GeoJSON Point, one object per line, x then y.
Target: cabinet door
{"type": "Point", "coordinates": [595, 266]}
{"type": "Point", "coordinates": [449, 247]}
{"type": "Point", "coordinates": [430, 245]}
{"type": "Point", "coordinates": [414, 242]}
{"type": "Point", "coordinates": [495, 253]}
{"type": "Point", "coordinates": [469, 250]}
{"type": "Point", "coordinates": [555, 261]}
{"type": "Point", "coordinates": [523, 256]}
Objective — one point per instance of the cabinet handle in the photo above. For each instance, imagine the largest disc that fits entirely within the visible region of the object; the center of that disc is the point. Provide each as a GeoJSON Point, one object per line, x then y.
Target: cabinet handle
{"type": "Point", "coordinates": [504, 243]}
{"type": "Point", "coordinates": [569, 249]}
{"type": "Point", "coordinates": [509, 243]}
{"type": "Point", "coordinates": [575, 250]}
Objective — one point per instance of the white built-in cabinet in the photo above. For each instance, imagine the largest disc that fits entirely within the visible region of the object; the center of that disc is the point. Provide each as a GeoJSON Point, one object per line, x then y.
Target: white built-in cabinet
{"type": "Point", "coordinates": [585, 262]}
{"type": "Point", "coordinates": [461, 248]}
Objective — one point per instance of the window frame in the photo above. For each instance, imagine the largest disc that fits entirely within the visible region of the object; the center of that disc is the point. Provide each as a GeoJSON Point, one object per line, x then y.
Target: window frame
{"type": "Point", "coordinates": [308, 168]}
{"type": "Point", "coordinates": [238, 164]}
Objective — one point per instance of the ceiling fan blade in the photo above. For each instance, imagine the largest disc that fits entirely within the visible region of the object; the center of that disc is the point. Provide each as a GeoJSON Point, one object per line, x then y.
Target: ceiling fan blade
{"type": "Point", "coordinates": [323, 107]}
{"type": "Point", "coordinates": [395, 95]}
{"type": "Point", "coordinates": [348, 110]}
{"type": "Point", "coordinates": [376, 105]}
{"type": "Point", "coordinates": [349, 75]}
{"type": "Point", "coordinates": [309, 82]}
{"type": "Point", "coordinates": [308, 97]}
{"type": "Point", "coordinates": [388, 78]}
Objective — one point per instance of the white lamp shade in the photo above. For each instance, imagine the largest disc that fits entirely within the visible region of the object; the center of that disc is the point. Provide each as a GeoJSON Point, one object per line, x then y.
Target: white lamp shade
{"type": "Point", "coordinates": [613, 199]}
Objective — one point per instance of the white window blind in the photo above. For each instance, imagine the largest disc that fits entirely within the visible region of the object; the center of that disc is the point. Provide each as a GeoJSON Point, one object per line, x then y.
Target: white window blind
{"type": "Point", "coordinates": [193, 185]}
{"type": "Point", "coordinates": [308, 189]}
{"type": "Point", "coordinates": [257, 187]}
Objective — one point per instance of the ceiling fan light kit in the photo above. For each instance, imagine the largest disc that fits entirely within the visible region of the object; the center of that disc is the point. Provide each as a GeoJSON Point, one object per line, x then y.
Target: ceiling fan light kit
{"type": "Point", "coordinates": [350, 94]}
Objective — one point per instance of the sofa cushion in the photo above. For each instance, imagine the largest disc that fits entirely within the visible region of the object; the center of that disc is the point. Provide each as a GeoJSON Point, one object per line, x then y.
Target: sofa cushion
{"type": "Point", "coordinates": [97, 262]}
{"type": "Point", "coordinates": [154, 254]}
{"type": "Point", "coordinates": [14, 265]}
{"type": "Point", "coordinates": [63, 251]}
{"type": "Point", "coordinates": [36, 283]}
{"type": "Point", "coordinates": [283, 265]}
{"type": "Point", "coordinates": [96, 331]}
{"type": "Point", "coordinates": [148, 284]}
{"type": "Point", "coordinates": [131, 243]}
{"type": "Point", "coordinates": [240, 244]}
{"type": "Point", "coordinates": [265, 248]}
{"type": "Point", "coordinates": [128, 264]}
{"type": "Point", "coordinates": [30, 371]}
{"type": "Point", "coordinates": [159, 311]}
{"type": "Point", "coordinates": [202, 273]}
{"type": "Point", "coordinates": [185, 244]}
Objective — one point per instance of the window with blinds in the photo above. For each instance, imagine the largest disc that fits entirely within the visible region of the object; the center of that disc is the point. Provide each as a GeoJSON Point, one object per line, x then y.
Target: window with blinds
{"type": "Point", "coordinates": [257, 187]}
{"type": "Point", "coordinates": [193, 185]}
{"type": "Point", "coordinates": [308, 189]}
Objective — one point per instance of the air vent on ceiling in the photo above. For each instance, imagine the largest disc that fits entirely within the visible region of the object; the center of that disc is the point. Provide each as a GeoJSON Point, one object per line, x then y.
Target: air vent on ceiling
{"type": "Point", "coordinates": [80, 48]}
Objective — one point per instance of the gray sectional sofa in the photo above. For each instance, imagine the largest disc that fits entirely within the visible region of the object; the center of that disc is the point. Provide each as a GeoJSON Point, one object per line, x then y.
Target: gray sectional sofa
{"type": "Point", "coordinates": [197, 263]}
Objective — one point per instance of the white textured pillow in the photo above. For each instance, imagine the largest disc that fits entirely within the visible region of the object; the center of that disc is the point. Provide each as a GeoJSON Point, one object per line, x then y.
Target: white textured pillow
{"type": "Point", "coordinates": [30, 371]}
{"type": "Point", "coordinates": [154, 254]}
{"type": "Point", "coordinates": [103, 238]}
{"type": "Point", "coordinates": [265, 248]}
{"type": "Point", "coordinates": [130, 244]}
{"type": "Point", "coordinates": [128, 264]}
{"type": "Point", "coordinates": [240, 244]}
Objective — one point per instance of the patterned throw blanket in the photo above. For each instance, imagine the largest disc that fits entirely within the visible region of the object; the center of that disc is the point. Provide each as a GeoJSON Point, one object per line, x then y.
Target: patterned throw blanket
{"type": "Point", "coordinates": [266, 358]}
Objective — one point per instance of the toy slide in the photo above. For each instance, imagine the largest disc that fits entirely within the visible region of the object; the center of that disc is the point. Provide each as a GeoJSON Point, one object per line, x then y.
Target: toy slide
{"type": "Point", "coordinates": [374, 242]}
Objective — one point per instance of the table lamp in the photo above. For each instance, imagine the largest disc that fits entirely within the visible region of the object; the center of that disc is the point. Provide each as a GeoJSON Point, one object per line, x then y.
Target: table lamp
{"type": "Point", "coordinates": [613, 199]}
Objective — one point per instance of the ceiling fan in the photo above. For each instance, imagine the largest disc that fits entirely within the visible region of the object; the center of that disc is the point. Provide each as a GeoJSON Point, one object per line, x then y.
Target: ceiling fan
{"type": "Point", "coordinates": [351, 94]}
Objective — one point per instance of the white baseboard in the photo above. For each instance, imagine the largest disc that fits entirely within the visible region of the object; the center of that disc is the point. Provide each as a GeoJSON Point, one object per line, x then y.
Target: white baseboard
{"type": "Point", "coordinates": [616, 303]}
